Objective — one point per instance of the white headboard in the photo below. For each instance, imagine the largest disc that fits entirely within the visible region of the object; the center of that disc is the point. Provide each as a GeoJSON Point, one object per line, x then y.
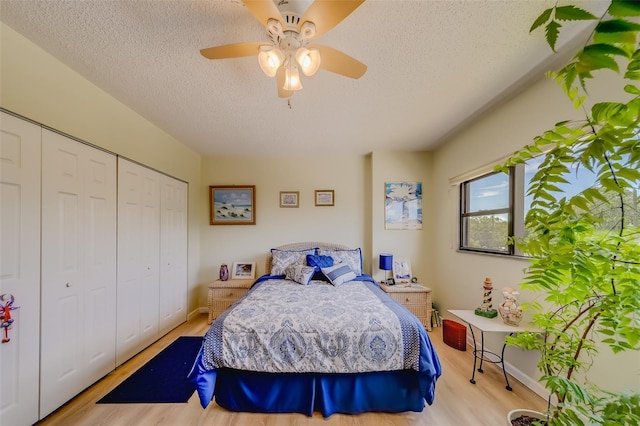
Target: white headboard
{"type": "Point", "coordinates": [303, 246]}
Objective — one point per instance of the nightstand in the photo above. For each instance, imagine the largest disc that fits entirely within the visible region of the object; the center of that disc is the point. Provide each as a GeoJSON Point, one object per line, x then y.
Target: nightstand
{"type": "Point", "coordinates": [415, 297]}
{"type": "Point", "coordinates": [223, 294]}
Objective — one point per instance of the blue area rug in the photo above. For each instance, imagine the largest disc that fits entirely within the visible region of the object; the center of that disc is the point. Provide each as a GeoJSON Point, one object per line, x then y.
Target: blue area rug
{"type": "Point", "coordinates": [161, 380]}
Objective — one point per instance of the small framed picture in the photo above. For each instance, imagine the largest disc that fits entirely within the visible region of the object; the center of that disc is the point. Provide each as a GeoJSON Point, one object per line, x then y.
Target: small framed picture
{"type": "Point", "coordinates": [243, 270]}
{"type": "Point", "coordinates": [324, 197]}
{"type": "Point", "coordinates": [289, 198]}
{"type": "Point", "coordinates": [391, 281]}
{"type": "Point", "coordinates": [402, 271]}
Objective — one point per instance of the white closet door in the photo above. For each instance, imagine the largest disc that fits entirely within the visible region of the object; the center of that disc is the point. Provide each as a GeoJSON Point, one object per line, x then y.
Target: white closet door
{"type": "Point", "coordinates": [20, 268]}
{"type": "Point", "coordinates": [138, 258]}
{"type": "Point", "coordinates": [173, 254]}
{"type": "Point", "coordinates": [78, 268]}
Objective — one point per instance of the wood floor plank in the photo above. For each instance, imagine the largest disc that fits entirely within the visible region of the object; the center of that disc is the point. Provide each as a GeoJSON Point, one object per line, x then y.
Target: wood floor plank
{"type": "Point", "coordinates": [457, 401]}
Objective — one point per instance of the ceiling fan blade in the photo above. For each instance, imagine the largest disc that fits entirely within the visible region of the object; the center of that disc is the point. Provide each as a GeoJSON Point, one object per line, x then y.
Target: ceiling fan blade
{"type": "Point", "coordinates": [236, 50]}
{"type": "Point", "coordinates": [264, 10]}
{"type": "Point", "coordinates": [340, 63]}
{"type": "Point", "coordinates": [282, 93]}
{"type": "Point", "coordinates": [326, 14]}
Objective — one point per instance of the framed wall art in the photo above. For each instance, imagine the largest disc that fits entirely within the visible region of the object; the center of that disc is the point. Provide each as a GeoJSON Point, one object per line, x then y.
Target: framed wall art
{"type": "Point", "coordinates": [232, 205]}
{"type": "Point", "coordinates": [403, 205]}
{"type": "Point", "coordinates": [289, 199]}
{"type": "Point", "coordinates": [243, 270]}
{"type": "Point", "coordinates": [324, 197]}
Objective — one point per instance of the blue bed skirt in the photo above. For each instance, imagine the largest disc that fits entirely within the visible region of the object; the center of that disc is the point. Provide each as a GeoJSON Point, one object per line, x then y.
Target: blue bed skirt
{"type": "Point", "coordinates": [387, 391]}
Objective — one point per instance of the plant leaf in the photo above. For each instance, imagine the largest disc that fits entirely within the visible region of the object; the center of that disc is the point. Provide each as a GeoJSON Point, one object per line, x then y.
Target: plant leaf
{"type": "Point", "coordinates": [544, 17]}
{"type": "Point", "coordinates": [551, 33]}
{"type": "Point", "coordinates": [573, 13]}
{"type": "Point", "coordinates": [622, 8]}
{"type": "Point", "coordinates": [617, 26]}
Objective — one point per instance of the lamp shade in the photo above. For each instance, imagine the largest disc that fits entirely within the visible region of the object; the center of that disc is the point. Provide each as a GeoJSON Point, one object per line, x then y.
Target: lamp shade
{"type": "Point", "coordinates": [270, 58]}
{"type": "Point", "coordinates": [386, 262]}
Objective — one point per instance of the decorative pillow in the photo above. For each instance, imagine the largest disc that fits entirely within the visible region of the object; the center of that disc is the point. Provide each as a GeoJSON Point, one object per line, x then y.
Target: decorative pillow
{"type": "Point", "coordinates": [339, 274]}
{"type": "Point", "coordinates": [300, 273]}
{"type": "Point", "coordinates": [319, 261]}
{"type": "Point", "coordinates": [353, 258]}
{"type": "Point", "coordinates": [282, 259]}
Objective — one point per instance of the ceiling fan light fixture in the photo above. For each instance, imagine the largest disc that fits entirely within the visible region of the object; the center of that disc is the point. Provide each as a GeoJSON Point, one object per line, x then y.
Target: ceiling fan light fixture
{"type": "Point", "coordinates": [270, 58]}
{"type": "Point", "coordinates": [309, 60]}
{"type": "Point", "coordinates": [292, 78]}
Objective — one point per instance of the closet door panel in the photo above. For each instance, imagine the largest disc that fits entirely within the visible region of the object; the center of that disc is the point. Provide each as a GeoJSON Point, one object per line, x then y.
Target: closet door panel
{"type": "Point", "coordinates": [99, 264]}
{"type": "Point", "coordinates": [78, 268]}
{"type": "Point", "coordinates": [20, 153]}
{"type": "Point", "coordinates": [138, 258]}
{"type": "Point", "coordinates": [62, 280]}
{"type": "Point", "coordinates": [173, 254]}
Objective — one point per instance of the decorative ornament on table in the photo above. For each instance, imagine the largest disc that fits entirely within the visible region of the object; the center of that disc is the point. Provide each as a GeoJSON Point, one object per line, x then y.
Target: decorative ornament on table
{"type": "Point", "coordinates": [486, 310]}
{"type": "Point", "coordinates": [510, 311]}
{"type": "Point", "coordinates": [224, 272]}
{"type": "Point", "coordinates": [5, 314]}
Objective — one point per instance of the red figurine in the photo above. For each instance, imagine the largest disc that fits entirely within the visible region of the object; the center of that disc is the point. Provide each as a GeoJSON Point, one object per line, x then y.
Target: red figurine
{"type": "Point", "coordinates": [5, 314]}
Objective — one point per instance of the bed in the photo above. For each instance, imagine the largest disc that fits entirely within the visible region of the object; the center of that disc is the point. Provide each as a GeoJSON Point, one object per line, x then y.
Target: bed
{"type": "Point", "coordinates": [316, 334]}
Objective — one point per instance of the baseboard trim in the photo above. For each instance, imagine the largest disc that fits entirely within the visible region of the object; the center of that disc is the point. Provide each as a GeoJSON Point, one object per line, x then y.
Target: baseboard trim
{"type": "Point", "coordinates": [197, 311]}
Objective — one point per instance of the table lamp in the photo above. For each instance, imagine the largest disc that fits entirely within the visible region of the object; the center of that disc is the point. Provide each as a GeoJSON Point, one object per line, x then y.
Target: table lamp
{"type": "Point", "coordinates": [386, 263]}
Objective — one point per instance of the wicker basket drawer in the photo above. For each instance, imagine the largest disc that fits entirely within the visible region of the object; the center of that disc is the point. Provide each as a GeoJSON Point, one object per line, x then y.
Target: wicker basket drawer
{"type": "Point", "coordinates": [227, 293]}
{"type": "Point", "coordinates": [418, 310]}
{"type": "Point", "coordinates": [410, 298]}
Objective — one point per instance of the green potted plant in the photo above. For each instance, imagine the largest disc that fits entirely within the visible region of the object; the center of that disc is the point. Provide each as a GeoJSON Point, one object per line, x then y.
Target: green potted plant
{"type": "Point", "coordinates": [584, 249]}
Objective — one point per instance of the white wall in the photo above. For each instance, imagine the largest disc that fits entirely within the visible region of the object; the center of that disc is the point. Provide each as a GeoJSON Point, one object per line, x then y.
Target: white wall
{"type": "Point", "coordinates": [459, 275]}
{"type": "Point", "coordinates": [39, 87]}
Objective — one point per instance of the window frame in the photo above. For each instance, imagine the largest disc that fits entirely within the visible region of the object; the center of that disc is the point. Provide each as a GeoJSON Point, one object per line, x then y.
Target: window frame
{"type": "Point", "coordinates": [514, 206]}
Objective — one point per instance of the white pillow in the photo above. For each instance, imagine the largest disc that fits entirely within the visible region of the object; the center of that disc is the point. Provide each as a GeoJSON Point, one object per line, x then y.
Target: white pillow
{"type": "Point", "coordinates": [352, 257]}
{"type": "Point", "coordinates": [300, 273]}
{"type": "Point", "coordinates": [339, 274]}
{"type": "Point", "coordinates": [282, 259]}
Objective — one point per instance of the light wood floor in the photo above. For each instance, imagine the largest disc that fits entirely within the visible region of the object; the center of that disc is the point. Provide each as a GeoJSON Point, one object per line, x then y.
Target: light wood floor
{"type": "Point", "coordinates": [457, 401]}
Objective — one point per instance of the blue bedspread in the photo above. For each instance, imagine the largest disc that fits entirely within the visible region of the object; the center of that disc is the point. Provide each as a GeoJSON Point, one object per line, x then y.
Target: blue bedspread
{"type": "Point", "coordinates": [284, 329]}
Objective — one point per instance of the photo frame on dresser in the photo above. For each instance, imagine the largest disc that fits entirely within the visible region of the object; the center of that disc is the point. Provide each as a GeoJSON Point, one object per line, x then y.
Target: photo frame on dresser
{"type": "Point", "coordinates": [243, 270]}
{"type": "Point", "coordinates": [232, 205]}
{"type": "Point", "coordinates": [402, 271]}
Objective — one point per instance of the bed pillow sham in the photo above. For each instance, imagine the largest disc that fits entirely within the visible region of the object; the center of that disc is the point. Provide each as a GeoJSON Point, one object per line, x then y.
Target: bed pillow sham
{"type": "Point", "coordinates": [352, 257]}
{"type": "Point", "coordinates": [282, 259]}
{"type": "Point", "coordinates": [300, 274]}
{"type": "Point", "coordinates": [339, 274]}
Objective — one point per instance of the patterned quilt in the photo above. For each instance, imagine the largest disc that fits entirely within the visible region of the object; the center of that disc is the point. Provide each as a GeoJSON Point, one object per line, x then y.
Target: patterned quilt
{"type": "Point", "coordinates": [282, 326]}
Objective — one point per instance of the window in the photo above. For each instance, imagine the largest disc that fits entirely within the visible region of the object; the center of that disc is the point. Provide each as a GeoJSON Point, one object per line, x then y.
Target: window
{"type": "Point", "coordinates": [486, 213]}
{"type": "Point", "coordinates": [493, 206]}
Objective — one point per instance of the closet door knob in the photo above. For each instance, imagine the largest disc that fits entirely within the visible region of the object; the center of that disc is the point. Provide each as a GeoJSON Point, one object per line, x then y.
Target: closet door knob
{"type": "Point", "coordinates": [68, 285]}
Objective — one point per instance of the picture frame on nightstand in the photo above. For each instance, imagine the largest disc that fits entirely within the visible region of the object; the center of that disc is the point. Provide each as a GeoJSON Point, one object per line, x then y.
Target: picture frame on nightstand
{"type": "Point", "coordinates": [402, 271]}
{"type": "Point", "coordinates": [243, 270]}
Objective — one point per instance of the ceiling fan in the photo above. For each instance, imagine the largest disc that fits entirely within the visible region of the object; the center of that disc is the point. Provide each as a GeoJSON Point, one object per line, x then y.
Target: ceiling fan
{"type": "Point", "coordinates": [290, 32]}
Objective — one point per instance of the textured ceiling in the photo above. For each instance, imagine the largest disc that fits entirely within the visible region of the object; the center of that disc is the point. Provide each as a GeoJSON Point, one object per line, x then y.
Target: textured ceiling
{"type": "Point", "coordinates": [432, 66]}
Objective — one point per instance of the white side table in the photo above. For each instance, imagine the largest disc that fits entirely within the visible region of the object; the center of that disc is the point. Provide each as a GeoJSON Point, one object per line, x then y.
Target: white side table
{"type": "Point", "coordinates": [490, 325]}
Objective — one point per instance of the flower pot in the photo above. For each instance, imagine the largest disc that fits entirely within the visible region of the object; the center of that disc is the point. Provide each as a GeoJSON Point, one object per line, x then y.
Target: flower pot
{"type": "Point", "coordinates": [514, 414]}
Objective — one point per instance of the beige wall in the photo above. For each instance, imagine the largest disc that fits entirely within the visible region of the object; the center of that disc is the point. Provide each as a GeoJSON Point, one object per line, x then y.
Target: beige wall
{"type": "Point", "coordinates": [39, 87]}
{"type": "Point", "coordinates": [458, 275]}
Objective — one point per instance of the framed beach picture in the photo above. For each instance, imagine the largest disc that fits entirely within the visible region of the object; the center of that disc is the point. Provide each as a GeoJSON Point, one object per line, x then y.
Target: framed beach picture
{"type": "Point", "coordinates": [232, 205]}
{"type": "Point", "coordinates": [403, 205]}
{"type": "Point", "coordinates": [243, 270]}
{"type": "Point", "coordinates": [289, 198]}
{"type": "Point", "coordinates": [324, 197]}
{"type": "Point", "coordinates": [402, 271]}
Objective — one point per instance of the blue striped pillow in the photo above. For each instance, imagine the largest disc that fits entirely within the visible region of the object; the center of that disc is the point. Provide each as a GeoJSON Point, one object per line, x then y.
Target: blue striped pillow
{"type": "Point", "coordinates": [339, 274]}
